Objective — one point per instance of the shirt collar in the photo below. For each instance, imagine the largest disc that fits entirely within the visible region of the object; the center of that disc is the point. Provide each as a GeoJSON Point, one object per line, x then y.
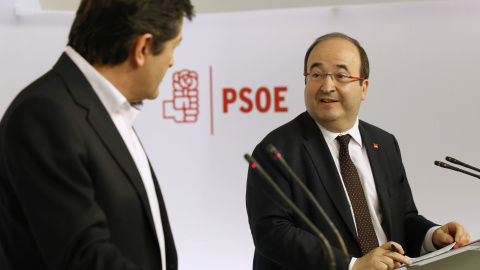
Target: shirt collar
{"type": "Point", "coordinates": [111, 98]}
{"type": "Point", "coordinates": [331, 136]}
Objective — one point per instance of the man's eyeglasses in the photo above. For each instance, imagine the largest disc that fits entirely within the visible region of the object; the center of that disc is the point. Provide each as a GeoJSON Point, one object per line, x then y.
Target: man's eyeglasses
{"type": "Point", "coordinates": [318, 77]}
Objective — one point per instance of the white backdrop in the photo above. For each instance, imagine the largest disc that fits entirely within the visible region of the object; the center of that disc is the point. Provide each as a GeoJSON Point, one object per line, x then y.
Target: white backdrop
{"type": "Point", "coordinates": [424, 61]}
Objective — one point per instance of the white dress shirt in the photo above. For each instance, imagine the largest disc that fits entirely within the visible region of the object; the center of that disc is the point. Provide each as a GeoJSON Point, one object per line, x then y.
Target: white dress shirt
{"type": "Point", "coordinates": [358, 154]}
{"type": "Point", "coordinates": [123, 114]}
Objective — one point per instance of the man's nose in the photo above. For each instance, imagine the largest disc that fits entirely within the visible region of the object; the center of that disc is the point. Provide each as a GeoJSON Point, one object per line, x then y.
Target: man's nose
{"type": "Point", "coordinates": [328, 83]}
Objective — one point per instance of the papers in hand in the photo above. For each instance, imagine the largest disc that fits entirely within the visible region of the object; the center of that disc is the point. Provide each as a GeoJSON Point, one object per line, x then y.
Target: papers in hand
{"type": "Point", "coordinates": [432, 254]}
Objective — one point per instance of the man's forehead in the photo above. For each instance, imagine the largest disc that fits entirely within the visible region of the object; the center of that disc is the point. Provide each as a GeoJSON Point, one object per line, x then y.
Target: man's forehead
{"type": "Point", "coordinates": [334, 52]}
{"type": "Point", "coordinates": [319, 65]}
{"type": "Point", "coordinates": [178, 40]}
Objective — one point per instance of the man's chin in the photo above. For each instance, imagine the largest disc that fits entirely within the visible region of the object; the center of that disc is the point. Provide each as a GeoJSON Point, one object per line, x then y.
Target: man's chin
{"type": "Point", "coordinates": [154, 95]}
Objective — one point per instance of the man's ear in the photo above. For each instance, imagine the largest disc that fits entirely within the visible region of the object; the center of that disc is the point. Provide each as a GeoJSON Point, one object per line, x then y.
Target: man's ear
{"type": "Point", "coordinates": [141, 47]}
{"type": "Point", "coordinates": [364, 89]}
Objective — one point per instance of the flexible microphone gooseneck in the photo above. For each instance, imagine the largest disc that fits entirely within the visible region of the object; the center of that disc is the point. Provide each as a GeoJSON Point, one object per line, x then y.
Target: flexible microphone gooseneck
{"type": "Point", "coordinates": [446, 166]}
{"type": "Point", "coordinates": [256, 166]}
{"type": "Point", "coordinates": [456, 161]}
{"type": "Point", "coordinates": [278, 157]}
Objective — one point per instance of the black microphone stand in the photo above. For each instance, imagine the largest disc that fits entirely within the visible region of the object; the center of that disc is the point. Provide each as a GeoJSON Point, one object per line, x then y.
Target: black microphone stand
{"type": "Point", "coordinates": [456, 161]}
{"type": "Point", "coordinates": [447, 166]}
{"type": "Point", "coordinates": [254, 164]}
{"type": "Point", "coordinates": [277, 156]}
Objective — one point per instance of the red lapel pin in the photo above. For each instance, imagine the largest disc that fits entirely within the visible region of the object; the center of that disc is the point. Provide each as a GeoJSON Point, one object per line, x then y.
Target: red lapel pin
{"type": "Point", "coordinates": [375, 145]}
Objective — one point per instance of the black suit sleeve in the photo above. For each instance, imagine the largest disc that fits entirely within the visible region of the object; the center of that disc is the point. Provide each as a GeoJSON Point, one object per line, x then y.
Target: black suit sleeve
{"type": "Point", "coordinates": [51, 190]}
{"type": "Point", "coordinates": [415, 225]}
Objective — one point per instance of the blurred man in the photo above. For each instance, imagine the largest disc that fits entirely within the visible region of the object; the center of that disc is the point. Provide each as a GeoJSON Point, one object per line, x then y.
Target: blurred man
{"type": "Point", "coordinates": [76, 187]}
{"type": "Point", "coordinates": [353, 169]}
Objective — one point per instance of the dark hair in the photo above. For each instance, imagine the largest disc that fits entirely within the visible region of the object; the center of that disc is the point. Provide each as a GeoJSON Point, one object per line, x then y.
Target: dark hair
{"type": "Point", "coordinates": [103, 30]}
{"type": "Point", "coordinates": [364, 65]}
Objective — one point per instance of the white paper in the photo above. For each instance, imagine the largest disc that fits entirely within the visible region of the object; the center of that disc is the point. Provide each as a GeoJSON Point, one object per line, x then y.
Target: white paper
{"type": "Point", "coordinates": [432, 254]}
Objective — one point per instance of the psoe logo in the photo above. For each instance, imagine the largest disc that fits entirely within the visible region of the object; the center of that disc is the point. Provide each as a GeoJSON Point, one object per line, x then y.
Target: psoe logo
{"type": "Point", "coordinates": [184, 106]}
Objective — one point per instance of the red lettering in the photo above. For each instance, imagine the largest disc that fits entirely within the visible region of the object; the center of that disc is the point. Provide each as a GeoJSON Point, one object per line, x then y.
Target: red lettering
{"type": "Point", "coordinates": [246, 100]}
{"type": "Point", "coordinates": [279, 99]}
{"type": "Point", "coordinates": [267, 99]}
{"type": "Point", "coordinates": [263, 99]}
{"type": "Point", "coordinates": [226, 99]}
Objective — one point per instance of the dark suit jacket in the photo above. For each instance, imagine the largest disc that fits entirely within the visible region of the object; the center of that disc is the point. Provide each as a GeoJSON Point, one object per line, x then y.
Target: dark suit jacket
{"type": "Point", "coordinates": [283, 240]}
{"type": "Point", "coordinates": [71, 196]}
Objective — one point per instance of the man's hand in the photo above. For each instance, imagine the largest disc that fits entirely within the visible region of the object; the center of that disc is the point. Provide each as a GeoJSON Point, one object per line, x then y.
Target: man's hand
{"type": "Point", "coordinates": [382, 258]}
{"type": "Point", "coordinates": [449, 233]}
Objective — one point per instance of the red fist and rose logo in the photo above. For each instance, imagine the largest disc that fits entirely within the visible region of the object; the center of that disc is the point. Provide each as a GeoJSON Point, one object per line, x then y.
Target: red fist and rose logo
{"type": "Point", "coordinates": [184, 106]}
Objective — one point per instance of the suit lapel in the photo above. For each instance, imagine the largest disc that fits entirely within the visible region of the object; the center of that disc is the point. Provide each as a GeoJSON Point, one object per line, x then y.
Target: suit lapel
{"type": "Point", "coordinates": [319, 152]}
{"type": "Point", "coordinates": [103, 125]}
{"type": "Point", "coordinates": [171, 252]}
{"type": "Point", "coordinates": [375, 152]}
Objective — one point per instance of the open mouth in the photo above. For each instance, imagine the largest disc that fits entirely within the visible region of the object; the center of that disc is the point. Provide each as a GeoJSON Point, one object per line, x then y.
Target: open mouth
{"type": "Point", "coordinates": [325, 100]}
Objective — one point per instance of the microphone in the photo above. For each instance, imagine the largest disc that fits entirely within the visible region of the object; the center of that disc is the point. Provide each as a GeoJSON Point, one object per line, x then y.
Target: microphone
{"type": "Point", "coordinates": [256, 166]}
{"type": "Point", "coordinates": [278, 157]}
{"type": "Point", "coordinates": [445, 165]}
{"type": "Point", "coordinates": [456, 161]}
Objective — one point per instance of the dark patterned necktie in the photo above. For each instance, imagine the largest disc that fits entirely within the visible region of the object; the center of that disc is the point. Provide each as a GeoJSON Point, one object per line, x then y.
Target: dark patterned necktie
{"type": "Point", "coordinates": [365, 230]}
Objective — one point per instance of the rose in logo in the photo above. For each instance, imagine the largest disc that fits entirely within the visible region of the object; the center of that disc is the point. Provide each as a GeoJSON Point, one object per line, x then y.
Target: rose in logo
{"type": "Point", "coordinates": [185, 80]}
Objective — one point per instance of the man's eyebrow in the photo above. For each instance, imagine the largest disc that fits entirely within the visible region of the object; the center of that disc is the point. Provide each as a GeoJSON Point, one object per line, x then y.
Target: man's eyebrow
{"type": "Point", "coordinates": [318, 65]}
{"type": "Point", "coordinates": [341, 66]}
{"type": "Point", "coordinates": [179, 41]}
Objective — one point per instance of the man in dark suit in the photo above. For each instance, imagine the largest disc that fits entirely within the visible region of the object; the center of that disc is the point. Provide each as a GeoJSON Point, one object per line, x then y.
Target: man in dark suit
{"type": "Point", "coordinates": [369, 201]}
{"type": "Point", "coordinates": [76, 188]}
